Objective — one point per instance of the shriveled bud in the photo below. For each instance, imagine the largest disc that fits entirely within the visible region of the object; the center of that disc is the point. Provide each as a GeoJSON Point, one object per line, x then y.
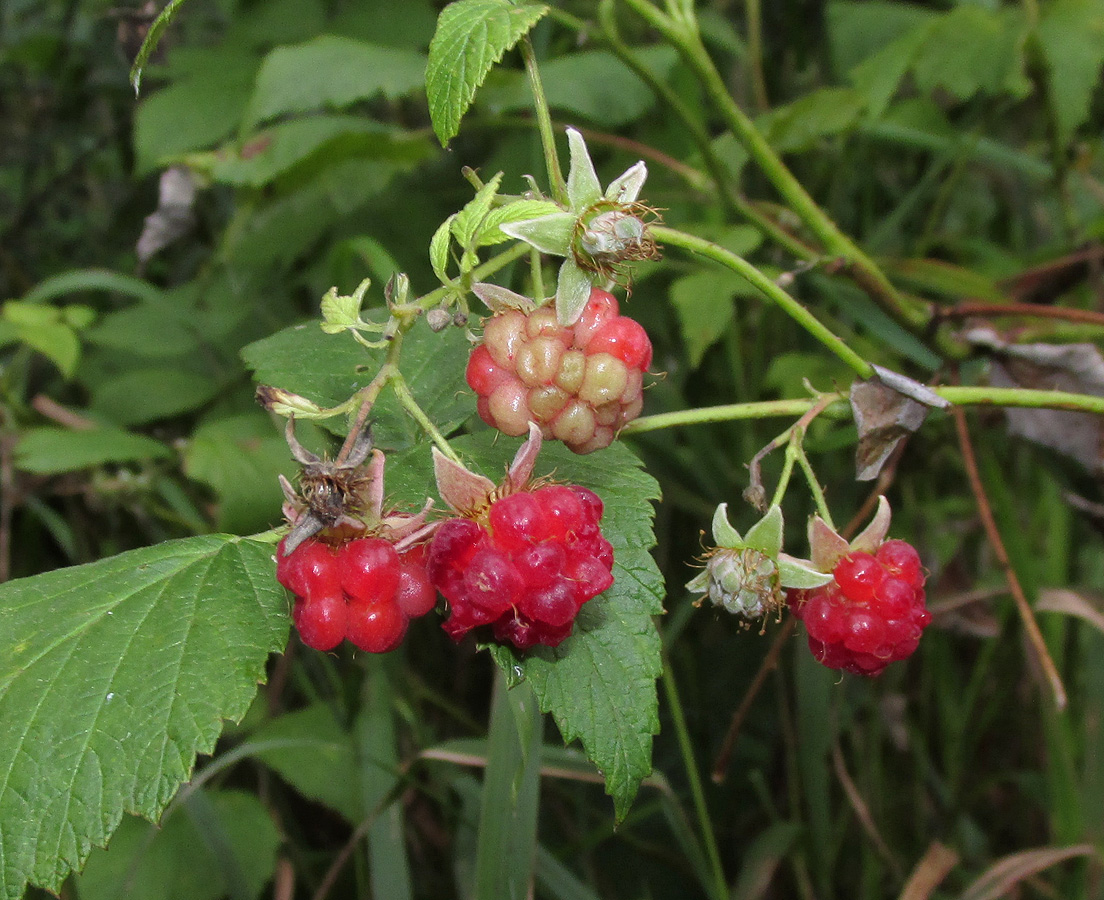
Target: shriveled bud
{"type": "Point", "coordinates": [285, 403]}
{"type": "Point", "coordinates": [439, 319]}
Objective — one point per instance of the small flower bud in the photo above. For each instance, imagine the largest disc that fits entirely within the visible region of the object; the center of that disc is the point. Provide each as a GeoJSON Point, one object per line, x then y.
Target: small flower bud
{"type": "Point", "coordinates": [285, 403]}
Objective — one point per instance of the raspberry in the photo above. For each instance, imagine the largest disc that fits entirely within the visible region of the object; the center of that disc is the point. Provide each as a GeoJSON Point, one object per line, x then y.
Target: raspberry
{"type": "Point", "coordinates": [364, 591]}
{"type": "Point", "coordinates": [526, 567]}
{"type": "Point", "coordinates": [377, 627]}
{"type": "Point", "coordinates": [871, 614]}
{"type": "Point", "coordinates": [579, 384]}
{"type": "Point", "coordinates": [321, 620]}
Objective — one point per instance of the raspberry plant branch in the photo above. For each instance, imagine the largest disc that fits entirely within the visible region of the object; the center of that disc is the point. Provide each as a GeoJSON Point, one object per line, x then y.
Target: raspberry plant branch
{"type": "Point", "coordinates": [989, 523]}
{"type": "Point", "coordinates": [684, 36]}
{"type": "Point", "coordinates": [1020, 398]}
{"type": "Point", "coordinates": [697, 131]}
{"type": "Point", "coordinates": [544, 122]}
{"type": "Point", "coordinates": [728, 259]}
{"type": "Point", "coordinates": [479, 273]}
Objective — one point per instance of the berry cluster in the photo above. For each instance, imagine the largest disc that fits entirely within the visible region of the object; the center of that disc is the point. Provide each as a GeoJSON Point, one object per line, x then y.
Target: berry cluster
{"type": "Point", "coordinates": [580, 384]}
{"type": "Point", "coordinates": [526, 567]}
{"type": "Point", "coordinates": [871, 614]}
{"type": "Point", "coordinates": [363, 590]}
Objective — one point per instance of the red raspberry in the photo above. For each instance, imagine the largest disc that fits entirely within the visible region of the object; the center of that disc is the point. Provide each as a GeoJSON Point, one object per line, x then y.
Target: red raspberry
{"type": "Point", "coordinates": [321, 620]}
{"type": "Point", "coordinates": [526, 567]}
{"type": "Point", "coordinates": [364, 591]}
{"type": "Point", "coordinates": [376, 626]}
{"type": "Point", "coordinates": [580, 384]}
{"type": "Point", "coordinates": [871, 614]}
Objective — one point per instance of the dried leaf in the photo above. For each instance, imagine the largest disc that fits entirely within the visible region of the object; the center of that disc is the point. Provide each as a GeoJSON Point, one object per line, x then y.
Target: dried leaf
{"type": "Point", "coordinates": [1009, 871]}
{"type": "Point", "coordinates": [887, 408]}
{"type": "Point", "coordinates": [929, 872]}
{"type": "Point", "coordinates": [173, 217]}
{"type": "Point", "coordinates": [1072, 603]}
{"type": "Point", "coordinates": [1078, 368]}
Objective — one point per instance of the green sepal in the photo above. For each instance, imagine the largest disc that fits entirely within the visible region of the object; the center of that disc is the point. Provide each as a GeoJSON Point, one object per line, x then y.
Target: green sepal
{"type": "Point", "coordinates": [548, 234]}
{"type": "Point", "coordinates": [724, 535]}
{"type": "Point", "coordinates": [798, 573]}
{"type": "Point", "coordinates": [572, 292]}
{"type": "Point", "coordinates": [766, 534]}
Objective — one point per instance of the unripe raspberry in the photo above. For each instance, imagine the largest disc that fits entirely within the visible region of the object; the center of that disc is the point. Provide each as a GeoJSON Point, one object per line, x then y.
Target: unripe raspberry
{"type": "Point", "coordinates": [579, 384]}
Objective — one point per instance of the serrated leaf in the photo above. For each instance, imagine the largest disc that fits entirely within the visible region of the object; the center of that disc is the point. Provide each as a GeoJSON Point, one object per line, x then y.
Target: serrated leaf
{"type": "Point", "coordinates": [439, 249]}
{"type": "Point", "coordinates": [468, 222]}
{"type": "Point", "coordinates": [492, 231]}
{"type": "Point", "coordinates": [328, 369]}
{"type": "Point", "coordinates": [50, 450]}
{"type": "Point", "coordinates": [331, 72]}
{"type": "Point", "coordinates": [599, 684]}
{"type": "Point", "coordinates": [113, 676]}
{"type": "Point", "coordinates": [573, 288]}
{"type": "Point", "coordinates": [1071, 36]}
{"type": "Point", "coordinates": [471, 37]}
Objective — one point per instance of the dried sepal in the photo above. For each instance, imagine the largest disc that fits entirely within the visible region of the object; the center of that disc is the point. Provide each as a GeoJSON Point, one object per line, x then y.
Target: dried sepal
{"type": "Point", "coordinates": [828, 548]}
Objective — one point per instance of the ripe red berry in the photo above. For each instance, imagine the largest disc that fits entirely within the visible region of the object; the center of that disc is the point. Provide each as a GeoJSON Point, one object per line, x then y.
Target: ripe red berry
{"type": "Point", "coordinates": [528, 570]}
{"type": "Point", "coordinates": [309, 570]}
{"type": "Point", "coordinates": [369, 569]}
{"type": "Point", "coordinates": [871, 614]}
{"type": "Point", "coordinates": [580, 384]}
{"type": "Point", "coordinates": [321, 620]}
{"type": "Point", "coordinates": [377, 627]}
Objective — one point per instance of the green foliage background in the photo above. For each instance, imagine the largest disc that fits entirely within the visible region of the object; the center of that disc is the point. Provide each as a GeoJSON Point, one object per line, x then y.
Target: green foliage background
{"type": "Point", "coordinates": [959, 143]}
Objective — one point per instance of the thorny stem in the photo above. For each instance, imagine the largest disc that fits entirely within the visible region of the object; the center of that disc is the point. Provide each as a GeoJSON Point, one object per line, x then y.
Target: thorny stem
{"type": "Point", "coordinates": [814, 485]}
{"type": "Point", "coordinates": [536, 273]}
{"type": "Point", "coordinates": [544, 123]}
{"type": "Point", "coordinates": [779, 297]}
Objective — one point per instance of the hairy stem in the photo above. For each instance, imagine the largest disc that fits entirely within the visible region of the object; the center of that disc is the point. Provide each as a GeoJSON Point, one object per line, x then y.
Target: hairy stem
{"type": "Point", "coordinates": [544, 123]}
{"type": "Point", "coordinates": [779, 297]}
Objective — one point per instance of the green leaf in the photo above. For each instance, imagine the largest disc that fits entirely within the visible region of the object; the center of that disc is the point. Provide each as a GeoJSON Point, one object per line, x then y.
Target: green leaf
{"type": "Point", "coordinates": [195, 112]}
{"type": "Point", "coordinates": [521, 210]}
{"type": "Point", "coordinates": [328, 369]}
{"type": "Point", "coordinates": [139, 396]}
{"type": "Point", "coordinates": [57, 342]}
{"type": "Point", "coordinates": [275, 151]}
{"type": "Point", "coordinates": [113, 676]}
{"type": "Point", "coordinates": [820, 114]}
{"type": "Point", "coordinates": [81, 280]}
{"type": "Point", "coordinates": [1071, 36]}
{"type": "Point", "coordinates": [217, 843]}
{"type": "Point", "coordinates": [469, 221]}
{"type": "Point", "coordinates": [549, 233]}
{"type": "Point", "coordinates": [703, 301]}
{"type": "Point", "coordinates": [317, 757]}
{"type": "Point", "coordinates": [240, 458]}
{"type": "Point", "coordinates": [592, 84]}
{"type": "Point", "coordinates": [152, 39]}
{"type": "Point", "coordinates": [439, 249]}
{"type": "Point", "coordinates": [599, 684]}
{"type": "Point", "coordinates": [970, 50]}
{"type": "Point", "coordinates": [331, 72]}
{"type": "Point", "coordinates": [50, 450]}
{"type": "Point", "coordinates": [471, 37]}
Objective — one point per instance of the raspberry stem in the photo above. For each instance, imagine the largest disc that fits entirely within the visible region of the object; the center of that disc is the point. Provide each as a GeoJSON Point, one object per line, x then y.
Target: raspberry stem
{"type": "Point", "coordinates": [544, 123]}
